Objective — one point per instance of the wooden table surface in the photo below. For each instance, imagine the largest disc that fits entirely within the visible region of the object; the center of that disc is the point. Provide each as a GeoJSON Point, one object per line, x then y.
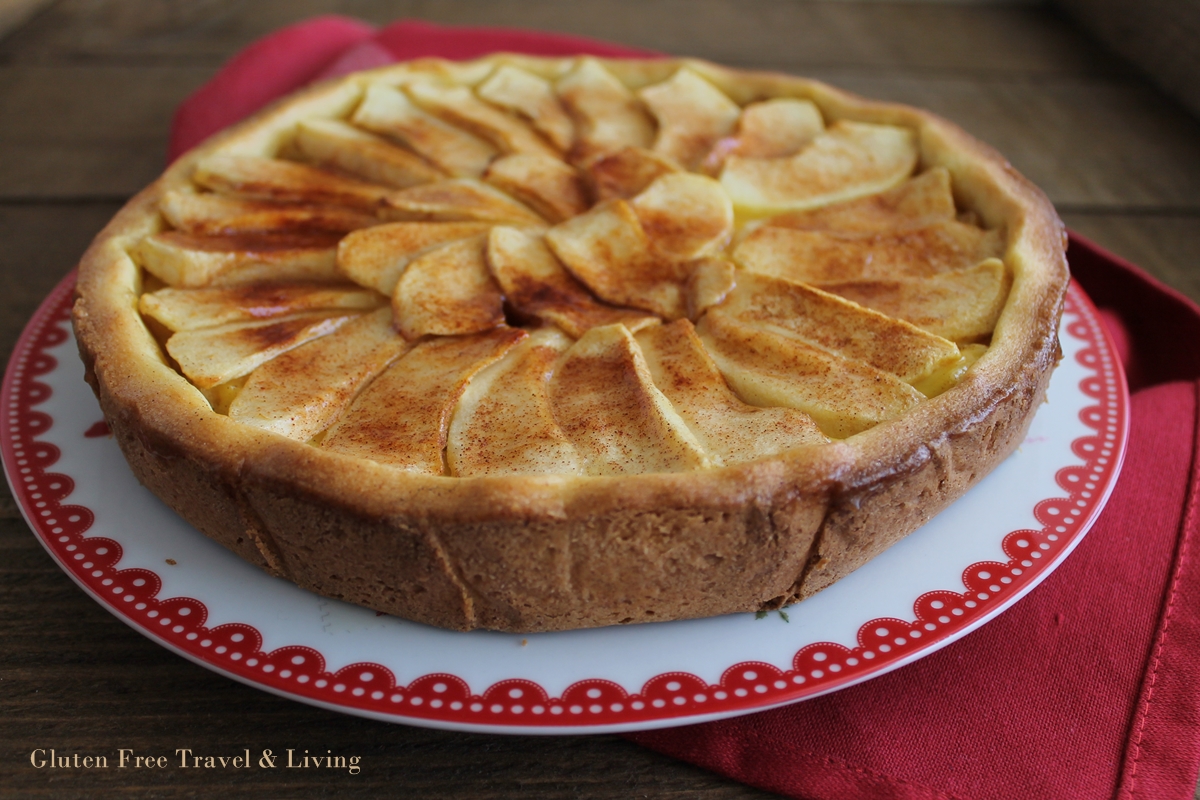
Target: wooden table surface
{"type": "Point", "coordinates": [87, 88]}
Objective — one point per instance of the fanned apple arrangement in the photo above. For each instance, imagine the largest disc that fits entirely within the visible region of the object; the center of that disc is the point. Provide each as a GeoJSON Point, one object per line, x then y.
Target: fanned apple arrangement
{"type": "Point", "coordinates": [530, 275]}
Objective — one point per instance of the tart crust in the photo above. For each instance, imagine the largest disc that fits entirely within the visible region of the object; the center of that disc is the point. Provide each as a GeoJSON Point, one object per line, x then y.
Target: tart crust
{"type": "Point", "coordinates": [542, 553]}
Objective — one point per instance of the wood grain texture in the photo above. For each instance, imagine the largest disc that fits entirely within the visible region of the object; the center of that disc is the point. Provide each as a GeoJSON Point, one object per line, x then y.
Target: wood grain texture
{"type": "Point", "coordinates": [1087, 136]}
{"type": "Point", "coordinates": [87, 89]}
{"type": "Point", "coordinates": [13, 13]}
{"type": "Point", "coordinates": [75, 131]}
{"type": "Point", "coordinates": [1162, 37]}
{"type": "Point", "coordinates": [42, 243]}
{"type": "Point", "coordinates": [1167, 246]}
{"type": "Point", "coordinates": [896, 35]}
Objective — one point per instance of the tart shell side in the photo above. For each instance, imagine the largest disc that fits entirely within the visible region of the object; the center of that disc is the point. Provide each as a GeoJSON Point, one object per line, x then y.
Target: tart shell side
{"type": "Point", "coordinates": [528, 554]}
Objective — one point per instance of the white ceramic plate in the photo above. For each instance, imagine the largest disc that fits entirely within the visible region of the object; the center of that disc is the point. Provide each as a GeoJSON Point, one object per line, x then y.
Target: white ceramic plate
{"type": "Point", "coordinates": [165, 579]}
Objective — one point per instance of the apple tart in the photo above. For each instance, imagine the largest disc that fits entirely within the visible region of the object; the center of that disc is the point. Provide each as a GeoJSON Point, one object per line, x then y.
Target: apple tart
{"type": "Point", "coordinates": [536, 344]}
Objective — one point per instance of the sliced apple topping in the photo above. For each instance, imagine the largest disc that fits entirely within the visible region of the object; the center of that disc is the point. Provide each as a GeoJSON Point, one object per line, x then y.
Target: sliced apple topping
{"type": "Point", "coordinates": [839, 326]}
{"type": "Point", "coordinates": [832, 256]}
{"type": "Point", "coordinates": [533, 99]}
{"type": "Point", "coordinates": [448, 292]}
{"type": "Point", "coordinates": [547, 185]}
{"type": "Point", "coordinates": [604, 398]}
{"type": "Point", "coordinates": [685, 216]}
{"type": "Point", "coordinates": [772, 128]}
{"type": "Point", "coordinates": [192, 309]}
{"type": "Point", "coordinates": [828, 290]}
{"type": "Point", "coordinates": [842, 396]}
{"type": "Point", "coordinates": [332, 143]}
{"type": "Point", "coordinates": [922, 200]}
{"type": "Point", "coordinates": [712, 279]}
{"type": "Point", "coordinates": [962, 305]}
{"type": "Point", "coordinates": [730, 431]}
{"type": "Point", "coordinates": [300, 393]}
{"type": "Point", "coordinates": [210, 356]}
{"type": "Point", "coordinates": [504, 424]}
{"type": "Point", "coordinates": [389, 112]}
{"type": "Point", "coordinates": [376, 257]}
{"type": "Point", "coordinates": [627, 172]}
{"type": "Point", "coordinates": [692, 116]}
{"type": "Point", "coordinates": [848, 160]}
{"type": "Point", "coordinates": [535, 284]}
{"type": "Point", "coordinates": [273, 179]}
{"type": "Point", "coordinates": [403, 417]}
{"type": "Point", "coordinates": [459, 106]}
{"type": "Point", "coordinates": [217, 215]}
{"type": "Point", "coordinates": [458, 200]}
{"type": "Point", "coordinates": [607, 115]}
{"type": "Point", "coordinates": [180, 259]}
{"type": "Point", "coordinates": [608, 250]}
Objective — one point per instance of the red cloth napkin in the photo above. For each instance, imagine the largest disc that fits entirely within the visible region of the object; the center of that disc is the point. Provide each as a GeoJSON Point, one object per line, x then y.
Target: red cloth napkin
{"type": "Point", "coordinates": [1087, 688]}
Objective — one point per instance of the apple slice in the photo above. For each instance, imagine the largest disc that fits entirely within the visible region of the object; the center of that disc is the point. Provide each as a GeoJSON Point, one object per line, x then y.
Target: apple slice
{"type": "Point", "coordinates": [459, 106]}
{"type": "Point", "coordinates": [376, 257]}
{"type": "Point", "coordinates": [192, 309]}
{"type": "Point", "coordinates": [448, 292]}
{"type": "Point", "coordinates": [627, 172]}
{"type": "Point", "coordinates": [839, 326]}
{"type": "Point", "coordinates": [216, 355]}
{"type": "Point", "coordinates": [962, 305]}
{"type": "Point", "coordinates": [217, 215]}
{"type": "Point", "coordinates": [692, 115]}
{"type": "Point", "coordinates": [284, 181]}
{"type": "Point", "coordinates": [923, 200]}
{"type": "Point", "coordinates": [832, 256]}
{"type": "Point", "coordinates": [607, 115]}
{"type": "Point", "coordinates": [774, 128]}
{"type": "Point", "coordinates": [608, 250]}
{"type": "Point", "coordinates": [848, 160]}
{"type": "Point", "coordinates": [535, 283]}
{"type": "Point", "coordinates": [532, 98]}
{"type": "Point", "coordinates": [503, 424]}
{"type": "Point", "coordinates": [842, 396]}
{"type": "Point", "coordinates": [544, 183]}
{"type": "Point", "coordinates": [180, 259]}
{"type": "Point", "coordinates": [402, 418]}
{"type": "Point", "coordinates": [711, 280]}
{"type": "Point", "coordinates": [685, 216]}
{"type": "Point", "coordinates": [606, 402]}
{"type": "Point", "coordinates": [730, 431]}
{"type": "Point", "coordinates": [389, 112]}
{"type": "Point", "coordinates": [301, 392]}
{"type": "Point", "coordinates": [333, 143]}
{"type": "Point", "coordinates": [462, 199]}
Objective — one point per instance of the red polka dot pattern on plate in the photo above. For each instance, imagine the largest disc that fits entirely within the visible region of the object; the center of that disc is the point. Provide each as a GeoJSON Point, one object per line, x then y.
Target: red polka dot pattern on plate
{"type": "Point", "coordinates": [301, 671]}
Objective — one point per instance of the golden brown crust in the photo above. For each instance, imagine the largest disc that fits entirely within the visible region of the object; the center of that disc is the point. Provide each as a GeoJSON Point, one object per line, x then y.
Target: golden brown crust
{"type": "Point", "coordinates": [526, 553]}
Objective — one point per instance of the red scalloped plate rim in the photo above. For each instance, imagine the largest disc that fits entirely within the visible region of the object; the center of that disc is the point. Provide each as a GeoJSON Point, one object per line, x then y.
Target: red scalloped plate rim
{"type": "Point", "coordinates": [443, 700]}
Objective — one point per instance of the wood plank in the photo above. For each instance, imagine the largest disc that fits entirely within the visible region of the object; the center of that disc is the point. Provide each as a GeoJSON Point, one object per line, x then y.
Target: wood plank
{"type": "Point", "coordinates": [1086, 143]}
{"type": "Point", "coordinates": [1166, 246]}
{"type": "Point", "coordinates": [41, 245]}
{"type": "Point", "coordinates": [85, 131]}
{"type": "Point", "coordinates": [14, 13]}
{"type": "Point", "coordinates": [1162, 37]}
{"type": "Point", "coordinates": [953, 38]}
